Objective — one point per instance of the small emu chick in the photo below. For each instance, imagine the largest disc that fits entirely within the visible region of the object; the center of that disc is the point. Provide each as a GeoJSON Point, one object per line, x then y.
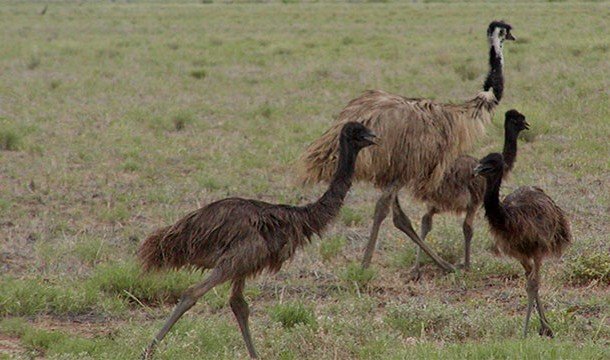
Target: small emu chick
{"type": "Point", "coordinates": [461, 191]}
{"type": "Point", "coordinates": [527, 226]}
{"type": "Point", "coordinates": [238, 238]}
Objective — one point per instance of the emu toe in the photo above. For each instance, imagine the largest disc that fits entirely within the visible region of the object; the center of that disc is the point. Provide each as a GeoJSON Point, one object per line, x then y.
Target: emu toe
{"type": "Point", "coordinates": [414, 274]}
{"type": "Point", "coordinates": [546, 331]}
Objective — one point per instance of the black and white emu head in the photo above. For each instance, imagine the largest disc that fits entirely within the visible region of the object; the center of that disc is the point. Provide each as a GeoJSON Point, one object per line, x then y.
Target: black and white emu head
{"type": "Point", "coordinates": [497, 33]}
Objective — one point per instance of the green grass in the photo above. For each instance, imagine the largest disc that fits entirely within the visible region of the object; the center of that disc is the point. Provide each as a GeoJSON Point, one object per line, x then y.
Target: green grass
{"type": "Point", "coordinates": [291, 314]}
{"type": "Point", "coordinates": [118, 118]}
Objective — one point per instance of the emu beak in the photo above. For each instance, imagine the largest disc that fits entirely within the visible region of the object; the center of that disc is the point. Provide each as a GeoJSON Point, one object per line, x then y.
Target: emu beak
{"type": "Point", "coordinates": [372, 138]}
{"type": "Point", "coordinates": [527, 125]}
{"type": "Point", "coordinates": [477, 170]}
{"type": "Point", "coordinates": [510, 36]}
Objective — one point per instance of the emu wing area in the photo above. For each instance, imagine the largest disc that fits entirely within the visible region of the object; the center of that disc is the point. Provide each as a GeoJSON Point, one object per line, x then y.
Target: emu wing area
{"type": "Point", "coordinates": [536, 225]}
{"type": "Point", "coordinates": [240, 235]}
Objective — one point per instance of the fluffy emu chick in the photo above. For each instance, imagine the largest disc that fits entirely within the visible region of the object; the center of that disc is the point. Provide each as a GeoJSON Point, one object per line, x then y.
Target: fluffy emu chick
{"type": "Point", "coordinates": [461, 191]}
{"type": "Point", "coordinates": [527, 226]}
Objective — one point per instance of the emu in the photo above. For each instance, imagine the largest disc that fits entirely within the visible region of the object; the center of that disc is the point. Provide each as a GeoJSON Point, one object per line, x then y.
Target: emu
{"type": "Point", "coordinates": [462, 192]}
{"type": "Point", "coordinates": [421, 139]}
{"type": "Point", "coordinates": [239, 238]}
{"type": "Point", "coordinates": [527, 226]}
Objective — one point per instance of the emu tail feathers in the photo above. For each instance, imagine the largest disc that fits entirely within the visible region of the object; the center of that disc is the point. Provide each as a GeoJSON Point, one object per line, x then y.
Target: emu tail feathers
{"type": "Point", "coordinates": [159, 252]}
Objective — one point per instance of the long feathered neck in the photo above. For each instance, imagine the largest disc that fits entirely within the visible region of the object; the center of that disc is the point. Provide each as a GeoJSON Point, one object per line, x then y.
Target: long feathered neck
{"type": "Point", "coordinates": [495, 79]}
{"type": "Point", "coordinates": [509, 153]}
{"type": "Point", "coordinates": [494, 211]}
{"type": "Point", "coordinates": [321, 212]}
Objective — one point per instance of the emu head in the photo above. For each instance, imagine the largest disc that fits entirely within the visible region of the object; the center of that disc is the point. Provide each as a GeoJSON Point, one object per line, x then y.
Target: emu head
{"type": "Point", "coordinates": [498, 32]}
{"type": "Point", "coordinates": [490, 165]}
{"type": "Point", "coordinates": [515, 120]}
{"type": "Point", "coordinates": [357, 136]}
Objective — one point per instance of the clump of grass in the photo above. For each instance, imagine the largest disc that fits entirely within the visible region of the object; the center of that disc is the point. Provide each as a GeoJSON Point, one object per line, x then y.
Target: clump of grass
{"type": "Point", "coordinates": [26, 297]}
{"type": "Point", "coordinates": [14, 326]}
{"type": "Point", "coordinates": [198, 73]}
{"type": "Point", "coordinates": [33, 62]}
{"type": "Point", "coordinates": [282, 51]}
{"type": "Point", "coordinates": [291, 314]}
{"type": "Point", "coordinates": [54, 84]}
{"type": "Point", "coordinates": [130, 165]}
{"type": "Point", "coordinates": [126, 280]}
{"type": "Point", "coordinates": [351, 217]}
{"type": "Point", "coordinates": [181, 120]}
{"type": "Point", "coordinates": [589, 268]}
{"type": "Point", "coordinates": [90, 251]}
{"type": "Point", "coordinates": [116, 214]}
{"type": "Point", "coordinates": [331, 247]}
{"type": "Point", "coordinates": [10, 140]}
{"type": "Point", "coordinates": [355, 275]}
{"type": "Point", "coordinates": [266, 111]}
{"type": "Point", "coordinates": [347, 40]}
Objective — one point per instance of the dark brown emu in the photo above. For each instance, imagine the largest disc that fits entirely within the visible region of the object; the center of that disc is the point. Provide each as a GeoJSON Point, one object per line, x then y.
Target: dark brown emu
{"type": "Point", "coordinates": [527, 226]}
{"type": "Point", "coordinates": [461, 191]}
{"type": "Point", "coordinates": [238, 238]}
{"type": "Point", "coordinates": [421, 139]}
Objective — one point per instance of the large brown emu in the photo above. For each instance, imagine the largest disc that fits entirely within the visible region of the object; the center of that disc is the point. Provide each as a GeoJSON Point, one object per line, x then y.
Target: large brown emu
{"type": "Point", "coordinates": [238, 238]}
{"type": "Point", "coordinates": [421, 139]}
{"type": "Point", "coordinates": [527, 226]}
{"type": "Point", "coordinates": [461, 191]}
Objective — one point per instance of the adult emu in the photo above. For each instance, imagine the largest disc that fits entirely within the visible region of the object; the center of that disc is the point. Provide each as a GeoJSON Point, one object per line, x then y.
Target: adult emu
{"type": "Point", "coordinates": [421, 139]}
{"type": "Point", "coordinates": [238, 238]}
{"type": "Point", "coordinates": [461, 191]}
{"type": "Point", "coordinates": [527, 226]}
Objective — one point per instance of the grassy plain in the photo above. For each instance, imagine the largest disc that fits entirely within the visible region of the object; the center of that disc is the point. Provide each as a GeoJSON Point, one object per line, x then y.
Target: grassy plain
{"type": "Point", "coordinates": [117, 118]}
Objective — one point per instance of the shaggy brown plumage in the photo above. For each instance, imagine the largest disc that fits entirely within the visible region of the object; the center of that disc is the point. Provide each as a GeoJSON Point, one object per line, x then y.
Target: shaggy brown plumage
{"type": "Point", "coordinates": [421, 140]}
{"type": "Point", "coordinates": [527, 226]}
{"type": "Point", "coordinates": [461, 191]}
{"type": "Point", "coordinates": [238, 238]}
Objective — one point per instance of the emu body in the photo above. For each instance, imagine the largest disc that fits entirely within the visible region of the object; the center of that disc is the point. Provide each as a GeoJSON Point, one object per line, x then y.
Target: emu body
{"type": "Point", "coordinates": [461, 191]}
{"type": "Point", "coordinates": [238, 238]}
{"type": "Point", "coordinates": [421, 140]}
{"type": "Point", "coordinates": [527, 226]}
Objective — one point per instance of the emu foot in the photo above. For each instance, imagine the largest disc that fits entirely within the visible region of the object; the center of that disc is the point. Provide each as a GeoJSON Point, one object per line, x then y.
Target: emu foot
{"type": "Point", "coordinates": [463, 266]}
{"type": "Point", "coordinates": [546, 331]}
{"type": "Point", "coordinates": [147, 354]}
{"type": "Point", "coordinates": [414, 274]}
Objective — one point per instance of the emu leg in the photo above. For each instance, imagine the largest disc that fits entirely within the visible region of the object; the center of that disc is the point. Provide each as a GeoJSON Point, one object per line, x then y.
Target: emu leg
{"type": "Point", "coordinates": [188, 299]}
{"type": "Point", "coordinates": [426, 226]}
{"type": "Point", "coordinates": [241, 311]}
{"type": "Point", "coordinates": [467, 229]}
{"type": "Point", "coordinates": [530, 299]}
{"type": "Point", "coordinates": [402, 222]}
{"type": "Point", "coordinates": [545, 328]}
{"type": "Point", "coordinates": [382, 208]}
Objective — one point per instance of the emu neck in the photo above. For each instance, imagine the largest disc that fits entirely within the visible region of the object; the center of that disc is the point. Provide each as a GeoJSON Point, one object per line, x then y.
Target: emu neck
{"type": "Point", "coordinates": [509, 153]}
{"type": "Point", "coordinates": [495, 78]}
{"type": "Point", "coordinates": [327, 207]}
{"type": "Point", "coordinates": [494, 211]}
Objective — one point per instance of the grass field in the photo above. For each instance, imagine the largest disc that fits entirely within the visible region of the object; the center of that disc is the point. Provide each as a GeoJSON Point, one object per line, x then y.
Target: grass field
{"type": "Point", "coordinates": [116, 119]}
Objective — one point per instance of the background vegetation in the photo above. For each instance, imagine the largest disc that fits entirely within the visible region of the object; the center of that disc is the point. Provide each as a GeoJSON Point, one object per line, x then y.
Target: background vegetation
{"type": "Point", "coordinates": [117, 118]}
